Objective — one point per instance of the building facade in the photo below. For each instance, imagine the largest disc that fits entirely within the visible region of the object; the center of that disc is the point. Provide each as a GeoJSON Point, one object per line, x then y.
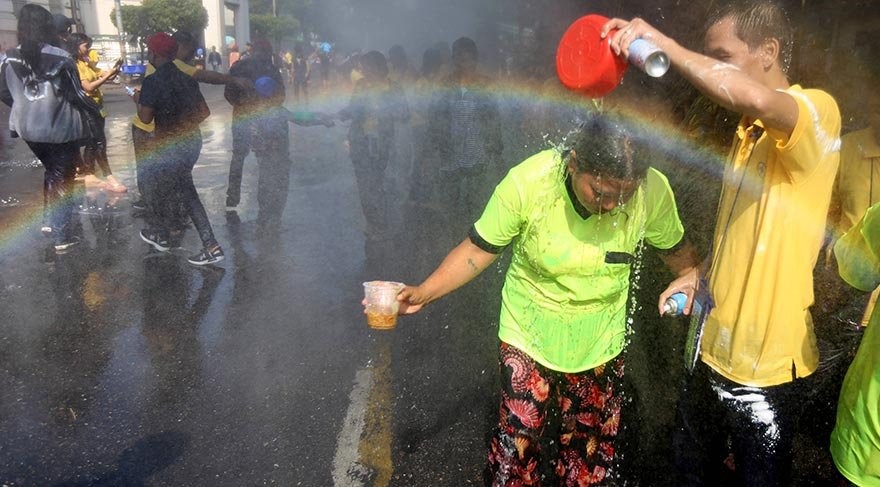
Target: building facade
{"type": "Point", "coordinates": [228, 20]}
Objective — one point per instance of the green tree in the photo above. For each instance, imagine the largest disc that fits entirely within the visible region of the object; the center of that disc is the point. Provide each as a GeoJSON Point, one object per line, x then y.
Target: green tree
{"type": "Point", "coordinates": [271, 27]}
{"type": "Point", "coordinates": [294, 8]}
{"type": "Point", "coordinates": [163, 15]}
{"type": "Point", "coordinates": [134, 20]}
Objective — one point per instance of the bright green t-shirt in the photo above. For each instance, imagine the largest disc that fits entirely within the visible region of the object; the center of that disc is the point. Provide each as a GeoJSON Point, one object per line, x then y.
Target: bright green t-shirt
{"type": "Point", "coordinates": [563, 303]}
{"type": "Point", "coordinates": [855, 442]}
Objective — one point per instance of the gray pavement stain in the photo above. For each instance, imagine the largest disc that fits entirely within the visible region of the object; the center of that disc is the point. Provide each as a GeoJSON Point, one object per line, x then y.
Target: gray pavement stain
{"type": "Point", "coordinates": [121, 366]}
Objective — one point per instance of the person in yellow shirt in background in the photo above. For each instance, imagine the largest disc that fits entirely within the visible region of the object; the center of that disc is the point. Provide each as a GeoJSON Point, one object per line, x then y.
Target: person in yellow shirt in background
{"type": "Point", "coordinates": [841, 315]}
{"type": "Point", "coordinates": [858, 180]}
{"type": "Point", "coordinates": [758, 342]}
{"type": "Point", "coordinates": [92, 78]}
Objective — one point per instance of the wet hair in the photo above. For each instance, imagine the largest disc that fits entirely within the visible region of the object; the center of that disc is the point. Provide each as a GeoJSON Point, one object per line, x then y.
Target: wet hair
{"type": "Point", "coordinates": [603, 147]}
{"type": "Point", "coordinates": [184, 37]}
{"type": "Point", "coordinates": [35, 28]}
{"type": "Point", "coordinates": [755, 21]}
{"type": "Point", "coordinates": [463, 45]}
{"type": "Point", "coordinates": [75, 40]}
{"type": "Point", "coordinates": [374, 62]}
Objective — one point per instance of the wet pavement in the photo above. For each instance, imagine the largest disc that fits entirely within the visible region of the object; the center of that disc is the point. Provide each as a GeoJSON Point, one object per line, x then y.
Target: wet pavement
{"type": "Point", "coordinates": [123, 366]}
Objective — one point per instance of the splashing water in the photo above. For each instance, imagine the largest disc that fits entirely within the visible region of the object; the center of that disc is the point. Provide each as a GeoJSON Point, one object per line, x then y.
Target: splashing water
{"type": "Point", "coordinates": [32, 163]}
{"type": "Point", "coordinates": [9, 201]}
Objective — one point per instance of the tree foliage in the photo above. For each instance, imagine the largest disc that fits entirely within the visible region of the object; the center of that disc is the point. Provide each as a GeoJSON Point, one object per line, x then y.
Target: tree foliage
{"type": "Point", "coordinates": [294, 8]}
{"type": "Point", "coordinates": [134, 21]}
{"type": "Point", "coordinates": [272, 27]}
{"type": "Point", "coordinates": [162, 15]}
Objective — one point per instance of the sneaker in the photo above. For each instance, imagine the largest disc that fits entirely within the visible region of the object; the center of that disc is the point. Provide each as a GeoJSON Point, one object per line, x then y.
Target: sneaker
{"type": "Point", "coordinates": [63, 245]}
{"type": "Point", "coordinates": [207, 256]}
{"type": "Point", "coordinates": [153, 238]}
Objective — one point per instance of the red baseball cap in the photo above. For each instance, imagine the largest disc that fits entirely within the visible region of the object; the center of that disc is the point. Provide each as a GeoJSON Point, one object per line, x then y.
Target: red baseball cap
{"type": "Point", "coordinates": [162, 44]}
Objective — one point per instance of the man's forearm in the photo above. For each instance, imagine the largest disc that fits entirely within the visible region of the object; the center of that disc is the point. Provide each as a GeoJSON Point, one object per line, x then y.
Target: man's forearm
{"type": "Point", "coordinates": [212, 77]}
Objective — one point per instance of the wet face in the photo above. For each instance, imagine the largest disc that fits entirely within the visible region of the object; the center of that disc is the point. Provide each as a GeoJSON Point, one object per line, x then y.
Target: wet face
{"type": "Point", "coordinates": [723, 44]}
{"type": "Point", "coordinates": [600, 194]}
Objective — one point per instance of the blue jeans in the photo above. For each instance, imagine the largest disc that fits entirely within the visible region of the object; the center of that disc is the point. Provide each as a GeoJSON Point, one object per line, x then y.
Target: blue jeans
{"type": "Point", "coordinates": [241, 146]}
{"type": "Point", "coordinates": [171, 194]}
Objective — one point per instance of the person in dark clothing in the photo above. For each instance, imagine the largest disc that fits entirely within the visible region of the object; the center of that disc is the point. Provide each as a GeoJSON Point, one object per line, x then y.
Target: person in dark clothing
{"type": "Point", "coordinates": [324, 67]}
{"type": "Point", "coordinates": [271, 144]}
{"type": "Point", "coordinates": [172, 99]}
{"type": "Point", "coordinates": [301, 72]}
{"type": "Point", "coordinates": [141, 134]}
{"type": "Point", "coordinates": [261, 63]}
{"type": "Point", "coordinates": [377, 105]}
{"type": "Point", "coordinates": [214, 58]}
{"type": "Point", "coordinates": [36, 80]}
{"type": "Point", "coordinates": [464, 130]}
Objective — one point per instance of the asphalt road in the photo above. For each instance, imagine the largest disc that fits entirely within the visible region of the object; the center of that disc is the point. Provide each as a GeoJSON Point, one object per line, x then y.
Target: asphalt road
{"type": "Point", "coordinates": [121, 366]}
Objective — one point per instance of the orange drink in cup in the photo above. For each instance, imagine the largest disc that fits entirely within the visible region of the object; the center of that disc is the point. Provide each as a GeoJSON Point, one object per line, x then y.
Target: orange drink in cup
{"type": "Point", "coordinates": [382, 305]}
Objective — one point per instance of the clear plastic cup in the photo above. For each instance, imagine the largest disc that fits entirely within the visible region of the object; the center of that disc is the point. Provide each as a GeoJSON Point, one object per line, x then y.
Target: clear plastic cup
{"type": "Point", "coordinates": [382, 305]}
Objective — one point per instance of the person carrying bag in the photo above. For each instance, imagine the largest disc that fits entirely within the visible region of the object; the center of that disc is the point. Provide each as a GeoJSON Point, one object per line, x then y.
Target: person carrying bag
{"type": "Point", "coordinates": [50, 112]}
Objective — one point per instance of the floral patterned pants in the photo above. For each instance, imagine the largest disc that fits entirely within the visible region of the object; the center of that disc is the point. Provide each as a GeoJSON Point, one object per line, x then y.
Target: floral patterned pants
{"type": "Point", "coordinates": [555, 429]}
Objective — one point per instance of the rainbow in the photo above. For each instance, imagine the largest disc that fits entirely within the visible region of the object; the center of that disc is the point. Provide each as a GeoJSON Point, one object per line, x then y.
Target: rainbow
{"type": "Point", "coordinates": [545, 101]}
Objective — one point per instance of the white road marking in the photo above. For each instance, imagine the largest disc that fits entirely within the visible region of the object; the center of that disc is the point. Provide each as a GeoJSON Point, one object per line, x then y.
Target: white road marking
{"type": "Point", "coordinates": [347, 471]}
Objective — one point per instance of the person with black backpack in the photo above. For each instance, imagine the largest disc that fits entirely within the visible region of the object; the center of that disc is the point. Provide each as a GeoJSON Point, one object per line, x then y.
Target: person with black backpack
{"type": "Point", "coordinates": [50, 112]}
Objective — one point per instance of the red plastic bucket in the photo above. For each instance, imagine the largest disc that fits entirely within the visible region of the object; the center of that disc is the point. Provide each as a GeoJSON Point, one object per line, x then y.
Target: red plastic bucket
{"type": "Point", "coordinates": [585, 62]}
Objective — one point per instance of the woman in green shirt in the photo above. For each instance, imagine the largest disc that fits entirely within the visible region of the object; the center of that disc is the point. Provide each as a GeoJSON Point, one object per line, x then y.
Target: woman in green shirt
{"type": "Point", "coordinates": [574, 220]}
{"type": "Point", "coordinates": [855, 441]}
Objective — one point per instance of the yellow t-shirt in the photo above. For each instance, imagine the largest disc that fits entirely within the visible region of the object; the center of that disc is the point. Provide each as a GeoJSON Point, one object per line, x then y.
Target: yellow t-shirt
{"type": "Point", "coordinates": [90, 72]}
{"type": "Point", "coordinates": [770, 227]}
{"type": "Point", "coordinates": [858, 181]}
{"type": "Point", "coordinates": [187, 69]}
{"type": "Point", "coordinates": [857, 187]}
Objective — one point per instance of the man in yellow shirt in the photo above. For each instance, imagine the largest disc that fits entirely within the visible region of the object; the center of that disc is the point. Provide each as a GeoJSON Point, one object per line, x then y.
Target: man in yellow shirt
{"type": "Point", "coordinates": [758, 341]}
